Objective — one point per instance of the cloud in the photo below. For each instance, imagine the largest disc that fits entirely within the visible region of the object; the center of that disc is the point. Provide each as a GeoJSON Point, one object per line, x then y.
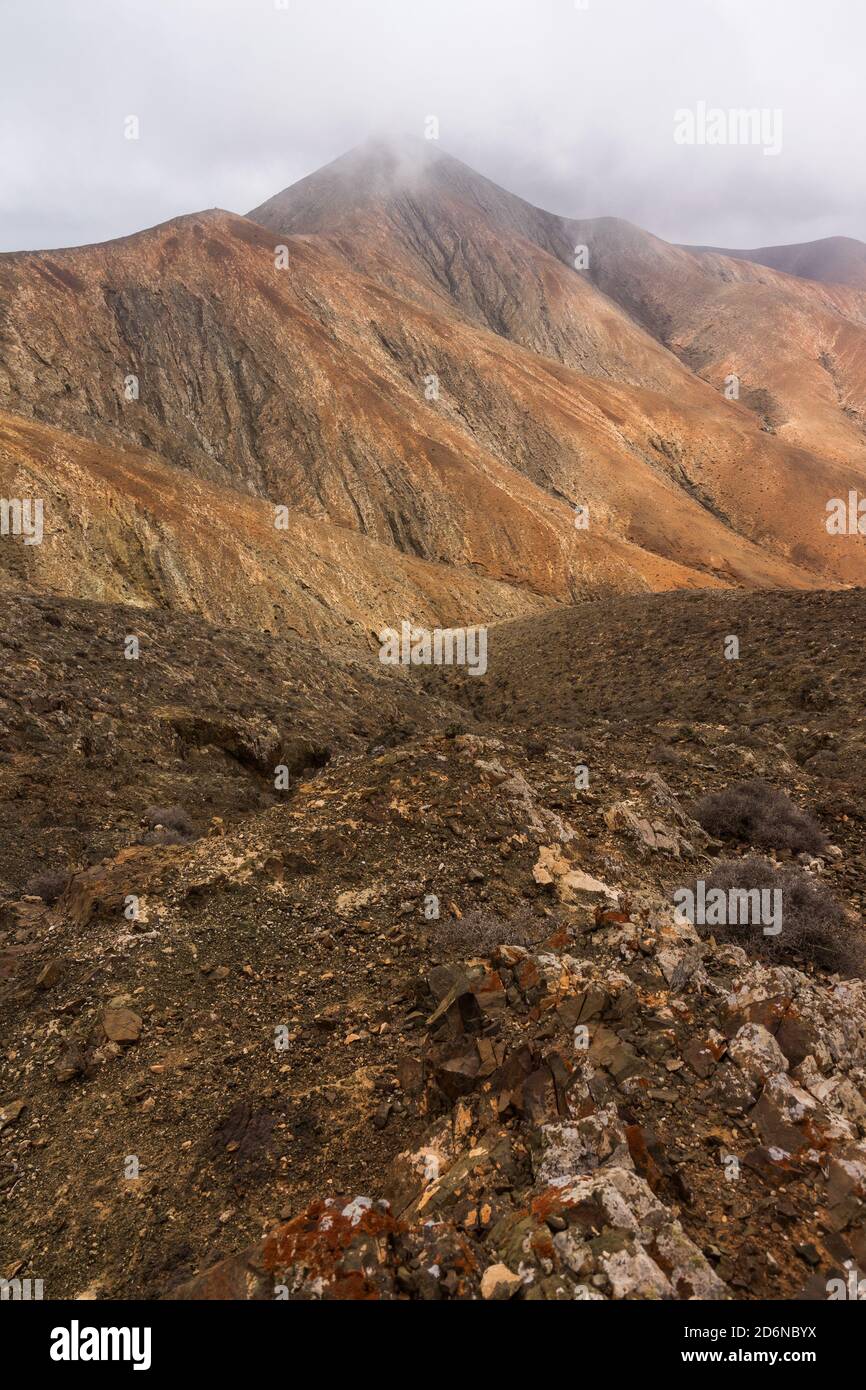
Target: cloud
{"type": "Point", "coordinates": [571, 108]}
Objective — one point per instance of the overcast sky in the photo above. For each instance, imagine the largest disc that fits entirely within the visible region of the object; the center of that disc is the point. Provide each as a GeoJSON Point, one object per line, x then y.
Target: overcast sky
{"type": "Point", "coordinates": [571, 108]}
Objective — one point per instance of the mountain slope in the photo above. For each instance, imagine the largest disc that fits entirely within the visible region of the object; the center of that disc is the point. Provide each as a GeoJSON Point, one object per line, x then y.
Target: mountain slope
{"type": "Point", "coordinates": [422, 368]}
{"type": "Point", "coordinates": [125, 527]}
{"type": "Point", "coordinates": [833, 260]}
{"type": "Point", "coordinates": [306, 387]}
{"type": "Point", "coordinates": [284, 1023]}
{"type": "Point", "coordinates": [799, 349]}
{"type": "Point", "coordinates": [429, 227]}
{"type": "Point", "coordinates": [430, 968]}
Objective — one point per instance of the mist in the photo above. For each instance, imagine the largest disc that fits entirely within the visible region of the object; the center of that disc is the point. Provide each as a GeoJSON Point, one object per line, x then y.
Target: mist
{"type": "Point", "coordinates": [573, 108]}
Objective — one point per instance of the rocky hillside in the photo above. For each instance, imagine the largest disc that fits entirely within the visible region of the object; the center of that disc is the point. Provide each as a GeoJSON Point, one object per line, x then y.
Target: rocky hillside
{"type": "Point", "coordinates": [321, 979]}
{"type": "Point", "coordinates": [638, 658]}
{"type": "Point", "coordinates": [91, 737]}
{"type": "Point", "coordinates": [122, 526]}
{"type": "Point", "coordinates": [834, 260]}
{"type": "Point", "coordinates": [426, 1025]}
{"type": "Point", "coordinates": [420, 374]}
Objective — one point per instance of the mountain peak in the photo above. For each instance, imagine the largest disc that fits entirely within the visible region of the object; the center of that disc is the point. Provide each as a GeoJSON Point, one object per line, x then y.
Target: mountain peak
{"type": "Point", "coordinates": [380, 171]}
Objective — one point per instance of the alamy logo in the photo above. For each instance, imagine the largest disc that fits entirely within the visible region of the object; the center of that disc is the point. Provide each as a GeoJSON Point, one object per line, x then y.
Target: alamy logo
{"type": "Point", "coordinates": [737, 126]}
{"type": "Point", "coordinates": [418, 646]}
{"type": "Point", "coordinates": [77, 1343]}
{"type": "Point", "coordinates": [735, 907]}
{"type": "Point", "coordinates": [852, 1288]}
{"type": "Point", "coordinates": [22, 516]}
{"type": "Point", "coordinates": [20, 1290]}
{"type": "Point", "coordinates": [846, 519]}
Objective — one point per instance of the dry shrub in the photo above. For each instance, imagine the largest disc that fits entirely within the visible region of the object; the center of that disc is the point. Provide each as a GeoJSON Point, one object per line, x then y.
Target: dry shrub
{"type": "Point", "coordinates": [481, 930]}
{"type": "Point", "coordinates": [48, 886]}
{"type": "Point", "coordinates": [759, 814]}
{"type": "Point", "coordinates": [815, 927]}
{"type": "Point", "coordinates": [163, 837]}
{"type": "Point", "coordinates": [170, 818]}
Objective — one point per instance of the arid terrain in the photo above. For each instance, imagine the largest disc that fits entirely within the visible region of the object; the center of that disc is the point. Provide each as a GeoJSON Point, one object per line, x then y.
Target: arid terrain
{"type": "Point", "coordinates": [404, 354]}
{"type": "Point", "coordinates": [282, 1023]}
{"type": "Point", "coordinates": [321, 978]}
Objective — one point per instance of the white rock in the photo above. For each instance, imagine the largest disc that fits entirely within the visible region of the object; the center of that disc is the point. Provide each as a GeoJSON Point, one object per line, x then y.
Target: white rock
{"type": "Point", "coordinates": [755, 1051]}
{"type": "Point", "coordinates": [633, 1274]}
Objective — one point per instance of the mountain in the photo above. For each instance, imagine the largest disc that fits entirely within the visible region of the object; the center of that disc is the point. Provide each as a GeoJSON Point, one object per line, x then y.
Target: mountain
{"type": "Point", "coordinates": [123, 526]}
{"type": "Point", "coordinates": [306, 387]}
{"type": "Point", "coordinates": [427, 222]}
{"type": "Point", "coordinates": [329, 980]}
{"type": "Point", "coordinates": [833, 260]}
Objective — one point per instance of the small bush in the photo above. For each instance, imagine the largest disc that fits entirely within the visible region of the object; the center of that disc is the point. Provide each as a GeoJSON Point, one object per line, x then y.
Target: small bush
{"type": "Point", "coordinates": [480, 931]}
{"type": "Point", "coordinates": [814, 926]}
{"type": "Point", "coordinates": [670, 757]}
{"type": "Point", "coordinates": [170, 818]}
{"type": "Point", "coordinates": [48, 886]}
{"type": "Point", "coordinates": [759, 815]}
{"type": "Point", "coordinates": [163, 837]}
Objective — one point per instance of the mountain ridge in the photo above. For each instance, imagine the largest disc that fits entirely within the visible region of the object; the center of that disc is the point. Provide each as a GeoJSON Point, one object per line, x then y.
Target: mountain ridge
{"type": "Point", "coordinates": [309, 386]}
